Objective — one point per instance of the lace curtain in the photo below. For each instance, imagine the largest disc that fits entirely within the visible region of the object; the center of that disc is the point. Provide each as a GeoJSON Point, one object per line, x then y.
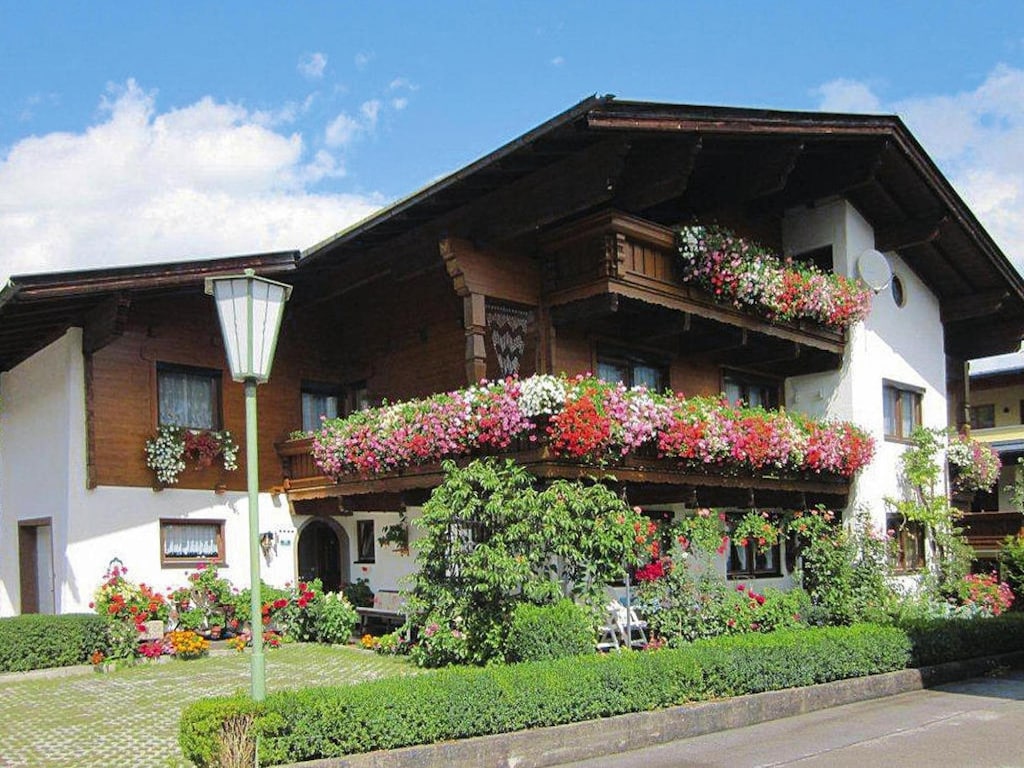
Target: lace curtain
{"type": "Point", "coordinates": [188, 399]}
{"type": "Point", "coordinates": [192, 541]}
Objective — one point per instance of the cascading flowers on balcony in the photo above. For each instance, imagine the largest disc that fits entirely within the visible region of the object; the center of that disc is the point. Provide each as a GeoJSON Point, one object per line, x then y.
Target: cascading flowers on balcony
{"type": "Point", "coordinates": [590, 420]}
{"type": "Point", "coordinates": [749, 276]}
{"type": "Point", "coordinates": [168, 451]}
{"type": "Point", "coordinates": [973, 465]}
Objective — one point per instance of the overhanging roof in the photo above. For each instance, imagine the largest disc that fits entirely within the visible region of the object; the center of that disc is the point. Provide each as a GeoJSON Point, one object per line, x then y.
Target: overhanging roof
{"type": "Point", "coordinates": [667, 162]}
{"type": "Point", "coordinates": [663, 162]}
{"type": "Point", "coordinates": [37, 309]}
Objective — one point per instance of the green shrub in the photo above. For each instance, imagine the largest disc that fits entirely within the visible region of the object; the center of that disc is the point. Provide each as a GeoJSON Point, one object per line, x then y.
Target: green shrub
{"type": "Point", "coordinates": [936, 641]}
{"type": "Point", "coordinates": [1011, 560]}
{"type": "Point", "coordinates": [460, 702]}
{"type": "Point", "coordinates": [36, 641]}
{"type": "Point", "coordinates": [549, 631]}
{"type": "Point", "coordinates": [334, 618]}
{"type": "Point", "coordinates": [358, 593]}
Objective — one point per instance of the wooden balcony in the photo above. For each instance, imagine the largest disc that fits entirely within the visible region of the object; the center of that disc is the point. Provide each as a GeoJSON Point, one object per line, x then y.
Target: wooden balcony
{"type": "Point", "coordinates": [649, 479]}
{"type": "Point", "coordinates": [614, 264]}
{"type": "Point", "coordinates": [985, 531]}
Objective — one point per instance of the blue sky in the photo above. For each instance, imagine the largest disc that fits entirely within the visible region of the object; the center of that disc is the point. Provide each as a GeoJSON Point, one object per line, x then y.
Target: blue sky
{"type": "Point", "coordinates": [141, 132]}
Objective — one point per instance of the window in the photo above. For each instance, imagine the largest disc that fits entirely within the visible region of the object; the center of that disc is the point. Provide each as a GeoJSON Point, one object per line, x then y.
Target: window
{"type": "Point", "coordinates": [901, 409]}
{"type": "Point", "coordinates": [188, 397]}
{"type": "Point", "coordinates": [908, 536]}
{"type": "Point", "coordinates": [319, 401]}
{"type": "Point", "coordinates": [631, 371]}
{"type": "Point", "coordinates": [751, 390]}
{"type": "Point", "coordinates": [983, 416]}
{"type": "Point", "coordinates": [818, 257]}
{"type": "Point", "coordinates": [189, 542]}
{"type": "Point", "coordinates": [746, 562]}
{"type": "Point", "coordinates": [366, 552]}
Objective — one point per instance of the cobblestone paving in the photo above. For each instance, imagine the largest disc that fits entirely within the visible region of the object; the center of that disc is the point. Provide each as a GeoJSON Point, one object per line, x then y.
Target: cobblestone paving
{"type": "Point", "coordinates": [130, 717]}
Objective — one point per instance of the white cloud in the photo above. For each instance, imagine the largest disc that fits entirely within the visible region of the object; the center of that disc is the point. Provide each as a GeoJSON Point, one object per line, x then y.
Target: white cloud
{"type": "Point", "coordinates": [344, 129]}
{"type": "Point", "coordinates": [844, 95]}
{"type": "Point", "coordinates": [362, 59]}
{"type": "Point", "coordinates": [141, 185]}
{"type": "Point", "coordinates": [402, 83]}
{"type": "Point", "coordinates": [400, 103]}
{"type": "Point", "coordinates": [312, 65]}
{"type": "Point", "coordinates": [976, 137]}
{"type": "Point", "coordinates": [558, 61]}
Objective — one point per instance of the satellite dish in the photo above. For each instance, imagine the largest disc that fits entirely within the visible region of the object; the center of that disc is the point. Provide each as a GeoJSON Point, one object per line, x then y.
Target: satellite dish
{"type": "Point", "coordinates": [874, 269]}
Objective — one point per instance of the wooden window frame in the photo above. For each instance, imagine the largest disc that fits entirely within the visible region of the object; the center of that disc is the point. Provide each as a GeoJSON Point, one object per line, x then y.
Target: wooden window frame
{"type": "Point", "coordinates": [191, 562]}
{"type": "Point", "coordinates": [752, 572]}
{"type": "Point", "coordinates": [323, 389]}
{"type": "Point", "coordinates": [215, 374]}
{"type": "Point", "coordinates": [363, 556]}
{"type": "Point", "coordinates": [918, 420]}
{"type": "Point", "coordinates": [901, 531]}
{"type": "Point", "coordinates": [630, 361]}
{"type": "Point", "coordinates": [752, 379]}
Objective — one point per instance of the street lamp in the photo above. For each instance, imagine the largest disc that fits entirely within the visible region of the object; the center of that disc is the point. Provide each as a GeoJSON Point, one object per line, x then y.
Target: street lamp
{"type": "Point", "coordinates": [250, 310]}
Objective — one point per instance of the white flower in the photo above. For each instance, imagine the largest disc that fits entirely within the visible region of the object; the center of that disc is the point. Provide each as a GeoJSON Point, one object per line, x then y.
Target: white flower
{"type": "Point", "coordinates": [541, 394]}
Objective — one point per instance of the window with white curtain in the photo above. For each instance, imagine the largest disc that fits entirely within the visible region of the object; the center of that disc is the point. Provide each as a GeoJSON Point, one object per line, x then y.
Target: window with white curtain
{"type": "Point", "coordinates": [318, 404]}
{"type": "Point", "coordinates": [191, 541]}
{"type": "Point", "coordinates": [188, 397]}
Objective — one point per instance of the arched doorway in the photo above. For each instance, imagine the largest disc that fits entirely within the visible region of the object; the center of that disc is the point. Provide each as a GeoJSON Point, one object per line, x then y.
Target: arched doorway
{"type": "Point", "coordinates": [324, 554]}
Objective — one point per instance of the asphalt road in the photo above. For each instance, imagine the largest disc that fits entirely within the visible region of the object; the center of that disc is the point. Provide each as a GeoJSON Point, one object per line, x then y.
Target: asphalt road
{"type": "Point", "coordinates": [977, 723]}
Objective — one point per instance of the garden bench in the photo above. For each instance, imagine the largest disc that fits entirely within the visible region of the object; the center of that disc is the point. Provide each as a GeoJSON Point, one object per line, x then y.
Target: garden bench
{"type": "Point", "coordinates": [388, 608]}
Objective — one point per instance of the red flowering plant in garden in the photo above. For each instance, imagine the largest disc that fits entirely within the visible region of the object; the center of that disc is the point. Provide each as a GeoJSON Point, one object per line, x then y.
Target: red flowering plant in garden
{"type": "Point", "coordinates": [749, 276]}
{"type": "Point", "coordinates": [127, 607]}
{"type": "Point", "coordinates": [984, 593]}
{"type": "Point", "coordinates": [119, 599]}
{"type": "Point", "coordinates": [590, 420]}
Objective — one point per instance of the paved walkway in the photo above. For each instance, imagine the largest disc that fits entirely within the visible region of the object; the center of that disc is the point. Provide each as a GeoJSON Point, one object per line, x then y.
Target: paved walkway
{"type": "Point", "coordinates": [977, 723]}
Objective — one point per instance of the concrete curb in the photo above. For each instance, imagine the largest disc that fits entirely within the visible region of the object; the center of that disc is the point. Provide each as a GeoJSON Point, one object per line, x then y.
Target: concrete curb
{"type": "Point", "coordinates": [580, 741]}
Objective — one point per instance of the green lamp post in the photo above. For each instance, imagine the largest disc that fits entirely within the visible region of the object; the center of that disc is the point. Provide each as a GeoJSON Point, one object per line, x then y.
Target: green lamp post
{"type": "Point", "coordinates": [250, 310]}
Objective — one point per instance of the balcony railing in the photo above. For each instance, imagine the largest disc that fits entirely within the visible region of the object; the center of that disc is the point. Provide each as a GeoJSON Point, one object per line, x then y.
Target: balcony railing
{"type": "Point", "coordinates": [985, 531]}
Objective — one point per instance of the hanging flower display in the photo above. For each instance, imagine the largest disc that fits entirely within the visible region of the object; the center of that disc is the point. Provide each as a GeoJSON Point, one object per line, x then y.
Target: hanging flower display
{"type": "Point", "coordinates": [974, 465]}
{"type": "Point", "coordinates": [749, 276]}
{"type": "Point", "coordinates": [589, 420]}
{"type": "Point", "coordinates": [171, 448]}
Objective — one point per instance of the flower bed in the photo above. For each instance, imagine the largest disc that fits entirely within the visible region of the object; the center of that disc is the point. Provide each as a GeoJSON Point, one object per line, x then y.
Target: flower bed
{"type": "Point", "coordinates": [748, 276]}
{"type": "Point", "coordinates": [592, 421]}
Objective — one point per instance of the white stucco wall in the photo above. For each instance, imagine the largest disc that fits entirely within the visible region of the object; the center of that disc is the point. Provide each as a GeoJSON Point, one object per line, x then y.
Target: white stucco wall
{"type": "Point", "coordinates": [40, 401]}
{"type": "Point", "coordinates": [899, 344]}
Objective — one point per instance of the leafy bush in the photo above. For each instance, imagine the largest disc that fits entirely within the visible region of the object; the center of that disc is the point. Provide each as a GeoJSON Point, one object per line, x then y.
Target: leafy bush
{"type": "Point", "coordinates": [844, 571]}
{"type": "Point", "coordinates": [492, 540]}
{"type": "Point", "coordinates": [939, 640]}
{"type": "Point", "coordinates": [549, 631]}
{"type": "Point", "coordinates": [35, 641]}
{"type": "Point", "coordinates": [334, 618]}
{"type": "Point", "coordinates": [358, 593]}
{"type": "Point", "coordinates": [681, 605]}
{"type": "Point", "coordinates": [461, 702]}
{"type": "Point", "coordinates": [1011, 559]}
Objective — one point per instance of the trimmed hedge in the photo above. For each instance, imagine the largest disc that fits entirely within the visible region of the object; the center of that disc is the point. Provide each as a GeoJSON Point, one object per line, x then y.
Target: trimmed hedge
{"type": "Point", "coordinates": [36, 641]}
{"type": "Point", "coordinates": [939, 640]}
{"type": "Point", "coordinates": [539, 632]}
{"type": "Point", "coordinates": [457, 703]}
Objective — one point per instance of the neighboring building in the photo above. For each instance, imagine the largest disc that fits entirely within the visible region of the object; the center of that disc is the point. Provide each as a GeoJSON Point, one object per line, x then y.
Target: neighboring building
{"type": "Point", "coordinates": [997, 418]}
{"type": "Point", "coordinates": [561, 240]}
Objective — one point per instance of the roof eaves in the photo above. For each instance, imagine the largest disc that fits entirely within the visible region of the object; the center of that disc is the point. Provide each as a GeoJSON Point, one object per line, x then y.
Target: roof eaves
{"type": "Point", "coordinates": [389, 212]}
